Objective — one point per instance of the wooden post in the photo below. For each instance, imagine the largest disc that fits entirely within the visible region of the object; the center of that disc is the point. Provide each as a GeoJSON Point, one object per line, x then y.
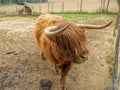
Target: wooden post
{"type": "Point", "coordinates": [81, 5]}
{"type": "Point", "coordinates": [116, 54]}
{"type": "Point", "coordinates": [107, 6]}
{"type": "Point", "coordinates": [52, 6]}
{"type": "Point", "coordinates": [48, 6]}
{"type": "Point", "coordinates": [63, 6]}
{"type": "Point", "coordinates": [77, 6]}
{"type": "Point", "coordinates": [32, 10]}
{"type": "Point", "coordinates": [16, 10]}
{"type": "Point", "coordinates": [103, 6]}
{"type": "Point", "coordinates": [39, 8]}
{"type": "Point", "coordinates": [118, 72]}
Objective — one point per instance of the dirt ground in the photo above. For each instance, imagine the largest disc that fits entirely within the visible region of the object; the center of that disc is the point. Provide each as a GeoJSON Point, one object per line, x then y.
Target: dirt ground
{"type": "Point", "coordinates": [21, 67]}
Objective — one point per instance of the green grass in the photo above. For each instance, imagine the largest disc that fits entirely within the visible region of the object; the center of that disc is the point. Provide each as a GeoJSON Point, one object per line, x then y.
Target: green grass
{"type": "Point", "coordinates": [5, 4]}
{"type": "Point", "coordinates": [76, 16]}
{"type": "Point", "coordinates": [70, 16]}
{"type": "Point", "coordinates": [109, 61]}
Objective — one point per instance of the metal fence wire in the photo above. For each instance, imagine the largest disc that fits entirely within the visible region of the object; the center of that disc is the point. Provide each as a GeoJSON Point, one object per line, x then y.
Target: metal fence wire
{"type": "Point", "coordinates": [66, 6]}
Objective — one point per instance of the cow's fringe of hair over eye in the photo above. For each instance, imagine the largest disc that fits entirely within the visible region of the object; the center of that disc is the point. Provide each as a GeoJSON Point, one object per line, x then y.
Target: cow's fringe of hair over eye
{"type": "Point", "coordinates": [72, 39]}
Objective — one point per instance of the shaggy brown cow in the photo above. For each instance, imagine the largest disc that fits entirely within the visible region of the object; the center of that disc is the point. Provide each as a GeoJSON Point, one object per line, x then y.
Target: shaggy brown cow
{"type": "Point", "coordinates": [63, 43]}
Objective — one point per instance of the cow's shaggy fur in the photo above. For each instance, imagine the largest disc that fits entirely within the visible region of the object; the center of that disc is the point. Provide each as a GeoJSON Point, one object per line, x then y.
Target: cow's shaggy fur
{"type": "Point", "coordinates": [64, 49]}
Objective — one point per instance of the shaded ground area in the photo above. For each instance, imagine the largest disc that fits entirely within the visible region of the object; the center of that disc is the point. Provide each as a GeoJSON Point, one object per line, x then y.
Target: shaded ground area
{"type": "Point", "coordinates": [21, 67]}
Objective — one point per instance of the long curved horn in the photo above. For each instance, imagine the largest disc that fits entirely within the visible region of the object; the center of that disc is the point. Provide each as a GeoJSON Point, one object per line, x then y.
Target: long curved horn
{"type": "Point", "coordinates": [53, 31]}
{"type": "Point", "coordinates": [94, 26]}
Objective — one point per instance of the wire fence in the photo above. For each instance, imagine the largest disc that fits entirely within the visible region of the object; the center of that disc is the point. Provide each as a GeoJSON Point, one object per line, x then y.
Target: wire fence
{"type": "Point", "coordinates": [65, 6]}
{"type": "Point", "coordinates": [61, 6]}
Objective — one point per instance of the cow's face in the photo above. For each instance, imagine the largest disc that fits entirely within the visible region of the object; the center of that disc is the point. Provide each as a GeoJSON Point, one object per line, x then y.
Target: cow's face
{"type": "Point", "coordinates": [76, 39]}
{"type": "Point", "coordinates": [82, 51]}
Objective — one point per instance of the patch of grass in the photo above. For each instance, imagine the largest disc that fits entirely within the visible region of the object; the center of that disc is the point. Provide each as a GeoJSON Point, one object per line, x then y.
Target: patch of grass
{"type": "Point", "coordinates": [4, 4]}
{"type": "Point", "coordinates": [70, 16]}
{"type": "Point", "coordinates": [109, 60]}
{"type": "Point", "coordinates": [36, 13]}
{"type": "Point", "coordinates": [4, 37]}
{"type": "Point", "coordinates": [4, 13]}
{"type": "Point", "coordinates": [110, 70]}
{"type": "Point", "coordinates": [76, 16]}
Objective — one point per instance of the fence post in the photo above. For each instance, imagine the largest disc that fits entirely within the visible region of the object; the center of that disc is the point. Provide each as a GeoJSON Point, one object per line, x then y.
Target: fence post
{"type": "Point", "coordinates": [77, 6]}
{"type": "Point", "coordinates": [32, 10]}
{"type": "Point", "coordinates": [16, 10]}
{"type": "Point", "coordinates": [52, 6]}
{"type": "Point", "coordinates": [101, 5]}
{"type": "Point", "coordinates": [118, 72]}
{"type": "Point", "coordinates": [81, 5]}
{"type": "Point", "coordinates": [39, 8]}
{"type": "Point", "coordinates": [62, 6]}
{"type": "Point", "coordinates": [48, 6]}
{"type": "Point", "coordinates": [107, 6]}
{"type": "Point", "coordinates": [115, 79]}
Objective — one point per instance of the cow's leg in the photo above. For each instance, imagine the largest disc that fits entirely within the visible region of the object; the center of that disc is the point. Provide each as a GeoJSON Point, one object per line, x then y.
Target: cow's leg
{"type": "Point", "coordinates": [42, 56]}
{"type": "Point", "coordinates": [64, 71]}
{"type": "Point", "coordinates": [56, 70]}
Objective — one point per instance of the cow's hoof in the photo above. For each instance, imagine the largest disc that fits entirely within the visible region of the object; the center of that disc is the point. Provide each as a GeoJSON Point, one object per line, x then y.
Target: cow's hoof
{"type": "Point", "coordinates": [43, 58]}
{"type": "Point", "coordinates": [57, 72]}
{"type": "Point", "coordinates": [63, 88]}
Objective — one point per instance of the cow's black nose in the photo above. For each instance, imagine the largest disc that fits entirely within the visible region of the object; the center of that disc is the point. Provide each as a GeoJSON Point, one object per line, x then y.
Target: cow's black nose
{"type": "Point", "coordinates": [84, 56]}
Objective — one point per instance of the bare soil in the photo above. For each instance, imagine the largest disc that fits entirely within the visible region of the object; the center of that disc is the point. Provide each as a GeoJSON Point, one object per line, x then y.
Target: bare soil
{"type": "Point", "coordinates": [21, 67]}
